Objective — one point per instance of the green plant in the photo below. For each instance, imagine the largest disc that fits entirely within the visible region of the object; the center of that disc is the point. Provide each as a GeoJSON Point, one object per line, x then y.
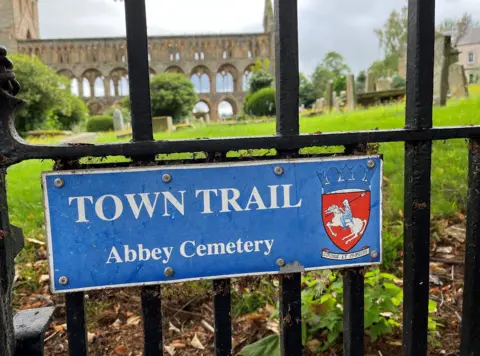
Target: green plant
{"type": "Point", "coordinates": [100, 123]}
{"type": "Point", "coordinates": [246, 301]}
{"type": "Point", "coordinates": [261, 103]}
{"type": "Point", "coordinates": [260, 80]}
{"type": "Point", "coordinates": [46, 93]}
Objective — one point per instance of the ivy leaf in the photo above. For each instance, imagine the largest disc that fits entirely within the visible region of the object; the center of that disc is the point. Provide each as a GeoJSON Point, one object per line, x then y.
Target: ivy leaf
{"type": "Point", "coordinates": [269, 346]}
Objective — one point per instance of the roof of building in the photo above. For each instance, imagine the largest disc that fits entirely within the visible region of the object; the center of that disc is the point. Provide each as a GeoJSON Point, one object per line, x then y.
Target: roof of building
{"type": "Point", "coordinates": [471, 37]}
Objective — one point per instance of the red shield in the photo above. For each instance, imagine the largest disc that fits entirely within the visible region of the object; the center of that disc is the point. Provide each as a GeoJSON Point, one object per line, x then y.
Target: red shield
{"type": "Point", "coordinates": [346, 232]}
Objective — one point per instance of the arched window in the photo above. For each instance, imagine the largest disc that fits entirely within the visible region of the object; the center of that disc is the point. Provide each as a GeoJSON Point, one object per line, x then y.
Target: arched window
{"type": "Point", "coordinates": [112, 87]}
{"type": "Point", "coordinates": [171, 57]}
{"type": "Point", "coordinates": [124, 59]}
{"type": "Point", "coordinates": [202, 56]}
{"type": "Point", "coordinates": [99, 87]}
{"type": "Point", "coordinates": [87, 93]}
{"type": "Point", "coordinates": [29, 35]}
{"type": "Point", "coordinates": [201, 82]}
{"type": "Point", "coordinates": [177, 56]}
{"type": "Point", "coordinates": [225, 110]}
{"type": "Point", "coordinates": [123, 86]}
{"type": "Point", "coordinates": [246, 80]}
{"type": "Point", "coordinates": [250, 54]}
{"type": "Point", "coordinates": [201, 107]}
{"type": "Point", "coordinates": [196, 56]}
{"type": "Point", "coordinates": [74, 87]}
{"type": "Point", "coordinates": [224, 82]}
{"type": "Point", "coordinates": [149, 58]}
{"type": "Point", "coordinates": [225, 56]}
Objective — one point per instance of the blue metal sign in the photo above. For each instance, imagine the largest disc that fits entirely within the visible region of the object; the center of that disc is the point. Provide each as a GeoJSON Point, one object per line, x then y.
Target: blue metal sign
{"type": "Point", "coordinates": [139, 226]}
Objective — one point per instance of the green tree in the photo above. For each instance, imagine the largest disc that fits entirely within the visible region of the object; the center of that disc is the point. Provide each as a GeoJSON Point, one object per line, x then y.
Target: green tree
{"type": "Point", "coordinates": [260, 80]}
{"type": "Point", "coordinates": [340, 83]}
{"type": "Point", "coordinates": [392, 36]}
{"type": "Point", "coordinates": [335, 63]}
{"type": "Point", "coordinates": [172, 94]}
{"type": "Point", "coordinates": [320, 79]}
{"type": "Point", "coordinates": [450, 24]}
{"type": "Point", "coordinates": [307, 91]}
{"type": "Point", "coordinates": [47, 95]}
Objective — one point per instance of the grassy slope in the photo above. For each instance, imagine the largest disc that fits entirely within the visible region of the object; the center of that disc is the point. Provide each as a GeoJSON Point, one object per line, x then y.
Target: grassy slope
{"type": "Point", "coordinates": [449, 160]}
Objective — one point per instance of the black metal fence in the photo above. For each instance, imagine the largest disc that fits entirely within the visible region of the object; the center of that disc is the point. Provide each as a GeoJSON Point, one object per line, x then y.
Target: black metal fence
{"type": "Point", "coordinates": [417, 135]}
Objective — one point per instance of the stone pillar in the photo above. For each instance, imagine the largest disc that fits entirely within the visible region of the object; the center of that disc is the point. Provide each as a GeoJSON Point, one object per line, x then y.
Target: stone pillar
{"type": "Point", "coordinates": [80, 87]}
{"type": "Point", "coordinates": [92, 88]}
{"type": "Point", "coordinates": [213, 83]}
{"type": "Point", "coordinates": [329, 98]}
{"type": "Point", "coordinates": [370, 84]}
{"type": "Point", "coordinates": [458, 81]}
{"type": "Point", "coordinates": [115, 87]}
{"type": "Point", "coordinates": [351, 92]}
{"type": "Point", "coordinates": [440, 70]}
{"type": "Point", "coordinates": [106, 83]}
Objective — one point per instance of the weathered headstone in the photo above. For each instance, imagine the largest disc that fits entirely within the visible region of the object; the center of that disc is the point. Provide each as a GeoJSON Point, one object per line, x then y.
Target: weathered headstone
{"type": "Point", "coordinates": [207, 119]}
{"type": "Point", "coordinates": [440, 71]}
{"type": "Point", "coordinates": [384, 84]}
{"type": "Point", "coordinates": [162, 124]}
{"type": "Point", "coordinates": [321, 104]}
{"type": "Point", "coordinates": [351, 92]}
{"type": "Point", "coordinates": [370, 84]}
{"type": "Point", "coordinates": [458, 81]}
{"type": "Point", "coordinates": [118, 122]}
{"type": "Point", "coordinates": [336, 101]}
{"type": "Point", "coordinates": [329, 98]}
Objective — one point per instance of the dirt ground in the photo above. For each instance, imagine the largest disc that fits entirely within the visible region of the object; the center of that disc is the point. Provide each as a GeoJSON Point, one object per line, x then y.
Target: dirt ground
{"type": "Point", "coordinates": [115, 324]}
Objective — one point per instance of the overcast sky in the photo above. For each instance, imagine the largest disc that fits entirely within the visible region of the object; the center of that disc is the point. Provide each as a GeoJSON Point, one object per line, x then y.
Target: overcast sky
{"type": "Point", "coordinates": [345, 26]}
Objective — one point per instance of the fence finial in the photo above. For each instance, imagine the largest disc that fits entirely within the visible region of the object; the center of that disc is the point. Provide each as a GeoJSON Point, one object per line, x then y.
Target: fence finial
{"type": "Point", "coordinates": [7, 77]}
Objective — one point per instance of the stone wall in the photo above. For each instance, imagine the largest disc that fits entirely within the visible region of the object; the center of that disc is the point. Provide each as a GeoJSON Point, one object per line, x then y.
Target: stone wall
{"type": "Point", "coordinates": [105, 61]}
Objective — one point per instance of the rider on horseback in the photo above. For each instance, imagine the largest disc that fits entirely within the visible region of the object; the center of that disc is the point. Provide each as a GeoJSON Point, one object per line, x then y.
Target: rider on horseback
{"type": "Point", "coordinates": [346, 215]}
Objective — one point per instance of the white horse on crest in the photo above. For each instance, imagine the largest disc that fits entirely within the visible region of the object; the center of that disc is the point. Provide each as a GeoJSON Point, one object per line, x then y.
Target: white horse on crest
{"type": "Point", "coordinates": [357, 226]}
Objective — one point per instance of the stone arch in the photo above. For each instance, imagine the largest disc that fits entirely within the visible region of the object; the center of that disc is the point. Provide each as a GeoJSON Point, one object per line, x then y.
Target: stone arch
{"type": "Point", "coordinates": [247, 75]}
{"type": "Point", "coordinates": [201, 79]}
{"type": "Point", "coordinates": [118, 80]}
{"type": "Point", "coordinates": [66, 73]}
{"type": "Point", "coordinates": [206, 102]}
{"type": "Point", "coordinates": [232, 102]}
{"type": "Point", "coordinates": [96, 82]}
{"type": "Point", "coordinates": [174, 69]}
{"type": "Point", "coordinates": [152, 72]}
{"type": "Point", "coordinates": [74, 88]}
{"type": "Point", "coordinates": [227, 79]}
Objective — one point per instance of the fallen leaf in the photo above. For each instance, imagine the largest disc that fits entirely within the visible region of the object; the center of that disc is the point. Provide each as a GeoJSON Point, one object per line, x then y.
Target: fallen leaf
{"type": "Point", "coordinates": [435, 280]}
{"type": "Point", "coordinates": [172, 327]}
{"type": "Point", "coordinates": [314, 345]}
{"type": "Point", "coordinates": [274, 326]}
{"type": "Point", "coordinates": [121, 349]}
{"type": "Point", "coordinates": [44, 278]}
{"type": "Point", "coordinates": [170, 350]}
{"type": "Point", "coordinates": [256, 316]}
{"type": "Point", "coordinates": [177, 344]}
{"type": "Point", "coordinates": [117, 324]}
{"type": "Point", "coordinates": [35, 241]}
{"type": "Point", "coordinates": [134, 320]}
{"type": "Point", "coordinates": [91, 337]}
{"type": "Point", "coordinates": [196, 343]}
{"type": "Point", "coordinates": [444, 249]}
{"type": "Point", "coordinates": [59, 328]}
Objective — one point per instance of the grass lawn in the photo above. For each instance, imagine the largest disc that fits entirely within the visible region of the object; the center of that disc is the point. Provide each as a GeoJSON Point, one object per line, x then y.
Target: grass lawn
{"type": "Point", "coordinates": [449, 184]}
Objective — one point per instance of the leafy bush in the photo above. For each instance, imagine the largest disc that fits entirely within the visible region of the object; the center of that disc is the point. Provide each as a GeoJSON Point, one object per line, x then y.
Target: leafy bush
{"type": "Point", "coordinates": [47, 95]}
{"type": "Point", "coordinates": [261, 103]}
{"type": "Point", "coordinates": [100, 123]}
{"type": "Point", "coordinates": [260, 80]}
{"type": "Point", "coordinates": [398, 82]}
{"type": "Point", "coordinates": [172, 94]}
{"type": "Point", "coordinates": [322, 310]}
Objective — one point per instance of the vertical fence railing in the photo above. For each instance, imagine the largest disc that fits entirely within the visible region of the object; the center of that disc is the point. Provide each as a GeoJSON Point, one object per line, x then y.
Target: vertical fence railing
{"type": "Point", "coordinates": [418, 155]}
{"type": "Point", "coordinates": [287, 83]}
{"type": "Point", "coordinates": [139, 81]}
{"type": "Point", "coordinates": [470, 331]}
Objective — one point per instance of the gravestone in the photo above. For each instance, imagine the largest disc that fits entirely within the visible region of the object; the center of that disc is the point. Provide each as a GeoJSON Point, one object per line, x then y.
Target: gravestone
{"type": "Point", "coordinates": [351, 92]}
{"type": "Point", "coordinates": [118, 122]}
{"type": "Point", "coordinates": [444, 56]}
{"type": "Point", "coordinates": [321, 104]}
{"type": "Point", "coordinates": [384, 84]}
{"type": "Point", "coordinates": [163, 124]}
{"type": "Point", "coordinates": [458, 81]}
{"type": "Point", "coordinates": [370, 84]}
{"type": "Point", "coordinates": [335, 100]}
{"type": "Point", "coordinates": [329, 98]}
